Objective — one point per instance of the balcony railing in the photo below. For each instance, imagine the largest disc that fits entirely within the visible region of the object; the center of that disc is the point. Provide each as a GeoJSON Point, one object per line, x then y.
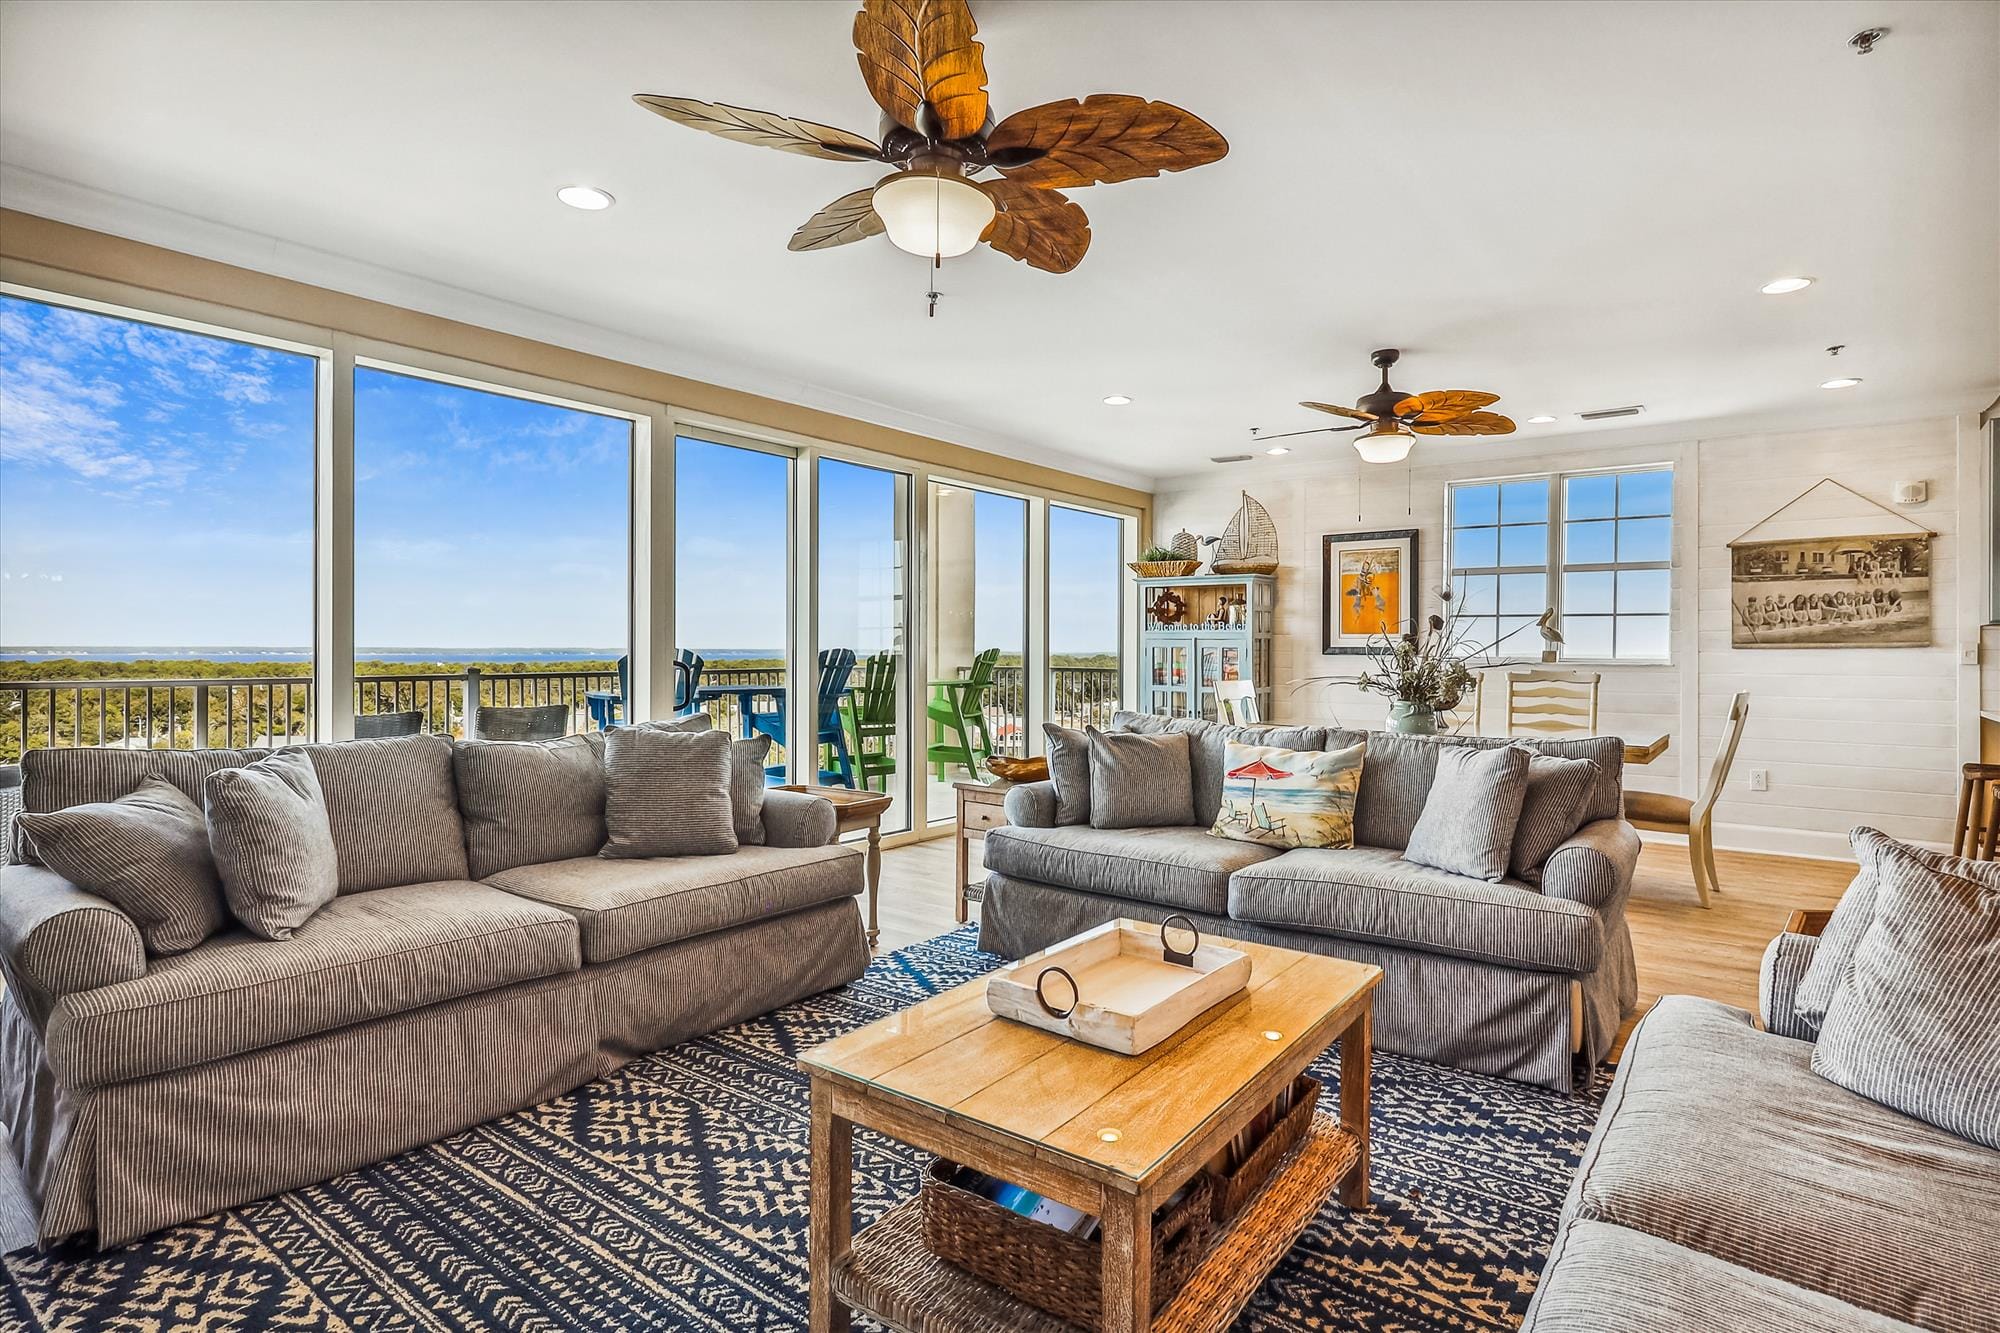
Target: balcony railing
{"type": "Point", "coordinates": [261, 712]}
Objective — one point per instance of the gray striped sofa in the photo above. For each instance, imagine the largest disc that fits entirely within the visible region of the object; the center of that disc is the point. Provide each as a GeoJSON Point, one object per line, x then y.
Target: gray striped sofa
{"type": "Point", "coordinates": [479, 958]}
{"type": "Point", "coordinates": [1730, 1189]}
{"type": "Point", "coordinates": [1527, 982]}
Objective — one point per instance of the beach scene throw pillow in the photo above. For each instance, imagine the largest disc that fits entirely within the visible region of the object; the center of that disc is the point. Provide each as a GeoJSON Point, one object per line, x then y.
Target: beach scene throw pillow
{"type": "Point", "coordinates": [1289, 798]}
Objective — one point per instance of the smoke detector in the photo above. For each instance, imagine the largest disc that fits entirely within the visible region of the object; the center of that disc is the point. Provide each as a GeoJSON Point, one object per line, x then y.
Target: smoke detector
{"type": "Point", "coordinates": [1864, 41]}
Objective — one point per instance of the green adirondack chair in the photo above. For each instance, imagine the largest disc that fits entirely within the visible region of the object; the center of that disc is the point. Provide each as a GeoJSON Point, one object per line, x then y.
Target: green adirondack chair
{"type": "Point", "coordinates": [871, 720]}
{"type": "Point", "coordinates": [957, 712]}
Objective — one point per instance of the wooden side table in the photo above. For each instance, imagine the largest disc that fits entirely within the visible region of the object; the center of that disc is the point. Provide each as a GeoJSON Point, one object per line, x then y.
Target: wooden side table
{"type": "Point", "coordinates": [981, 806]}
{"type": "Point", "coordinates": [854, 810]}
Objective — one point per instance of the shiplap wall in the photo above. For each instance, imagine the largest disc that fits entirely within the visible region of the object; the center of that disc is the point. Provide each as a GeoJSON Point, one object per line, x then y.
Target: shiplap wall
{"type": "Point", "coordinates": [1849, 736]}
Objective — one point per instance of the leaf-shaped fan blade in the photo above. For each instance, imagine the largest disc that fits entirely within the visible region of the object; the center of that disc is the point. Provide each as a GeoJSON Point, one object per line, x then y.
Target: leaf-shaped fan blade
{"type": "Point", "coordinates": [852, 217]}
{"type": "Point", "coordinates": [1444, 404]}
{"type": "Point", "coordinates": [1107, 137]}
{"type": "Point", "coordinates": [914, 52]}
{"type": "Point", "coordinates": [764, 128]}
{"type": "Point", "coordinates": [1353, 413]}
{"type": "Point", "coordinates": [1041, 227]}
{"type": "Point", "coordinates": [1468, 423]}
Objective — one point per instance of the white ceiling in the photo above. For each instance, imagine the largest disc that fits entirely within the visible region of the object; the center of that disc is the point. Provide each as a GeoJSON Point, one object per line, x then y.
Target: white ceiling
{"type": "Point", "coordinates": [1570, 205]}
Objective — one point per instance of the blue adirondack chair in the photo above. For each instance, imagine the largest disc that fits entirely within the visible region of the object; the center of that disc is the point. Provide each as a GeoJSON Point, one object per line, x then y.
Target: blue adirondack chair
{"type": "Point", "coordinates": [835, 666]}
{"type": "Point", "coordinates": [608, 709]}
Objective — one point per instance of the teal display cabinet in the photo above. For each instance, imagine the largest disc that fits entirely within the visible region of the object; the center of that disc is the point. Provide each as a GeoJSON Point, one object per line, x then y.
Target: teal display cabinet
{"type": "Point", "coordinates": [1197, 631]}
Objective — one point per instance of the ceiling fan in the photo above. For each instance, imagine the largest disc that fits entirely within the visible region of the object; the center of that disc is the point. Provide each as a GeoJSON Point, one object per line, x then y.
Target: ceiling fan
{"type": "Point", "coordinates": [920, 62]}
{"type": "Point", "coordinates": [1391, 420]}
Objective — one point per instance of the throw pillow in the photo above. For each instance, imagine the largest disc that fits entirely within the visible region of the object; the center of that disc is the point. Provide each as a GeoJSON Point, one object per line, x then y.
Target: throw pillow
{"type": "Point", "coordinates": [147, 853]}
{"type": "Point", "coordinates": [1916, 1025]}
{"type": "Point", "coordinates": [692, 722]}
{"type": "Point", "coordinates": [666, 793]}
{"type": "Point", "coordinates": [273, 846]}
{"type": "Point", "coordinates": [1552, 808]}
{"type": "Point", "coordinates": [1069, 770]}
{"type": "Point", "coordinates": [1138, 780]}
{"type": "Point", "coordinates": [1289, 798]}
{"type": "Point", "coordinates": [1467, 825]}
{"type": "Point", "coordinates": [1833, 958]}
{"type": "Point", "coordinates": [747, 787]}
{"type": "Point", "coordinates": [526, 802]}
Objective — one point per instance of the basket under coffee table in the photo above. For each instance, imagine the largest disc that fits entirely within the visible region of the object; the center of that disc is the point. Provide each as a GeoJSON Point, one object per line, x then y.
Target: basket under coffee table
{"type": "Point", "coordinates": [1114, 1135]}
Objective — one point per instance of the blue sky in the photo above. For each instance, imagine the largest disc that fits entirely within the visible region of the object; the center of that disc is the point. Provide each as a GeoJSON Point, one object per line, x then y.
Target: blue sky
{"type": "Point", "coordinates": [156, 490]}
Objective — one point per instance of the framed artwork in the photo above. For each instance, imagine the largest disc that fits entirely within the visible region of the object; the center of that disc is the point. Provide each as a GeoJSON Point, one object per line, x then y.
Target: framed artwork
{"type": "Point", "coordinates": [1367, 587]}
{"type": "Point", "coordinates": [1868, 591]}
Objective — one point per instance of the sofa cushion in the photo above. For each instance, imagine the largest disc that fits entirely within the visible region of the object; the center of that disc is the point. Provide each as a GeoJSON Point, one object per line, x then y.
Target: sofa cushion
{"type": "Point", "coordinates": [624, 905]}
{"type": "Point", "coordinates": [1206, 742]}
{"type": "Point", "coordinates": [1371, 893]}
{"type": "Point", "coordinates": [362, 956]}
{"type": "Point", "coordinates": [1916, 1025]}
{"type": "Point", "coordinates": [1606, 1279]}
{"type": "Point", "coordinates": [666, 793]}
{"type": "Point", "coordinates": [58, 779]}
{"type": "Point", "coordinates": [1551, 810]}
{"type": "Point", "coordinates": [1469, 817]}
{"type": "Point", "coordinates": [530, 801]}
{"type": "Point", "coordinates": [274, 850]}
{"type": "Point", "coordinates": [1721, 1138]}
{"type": "Point", "coordinates": [1174, 867]}
{"type": "Point", "coordinates": [1069, 773]}
{"type": "Point", "coordinates": [1398, 778]}
{"type": "Point", "coordinates": [1289, 798]}
{"type": "Point", "coordinates": [146, 852]}
{"type": "Point", "coordinates": [393, 807]}
{"type": "Point", "coordinates": [1139, 781]}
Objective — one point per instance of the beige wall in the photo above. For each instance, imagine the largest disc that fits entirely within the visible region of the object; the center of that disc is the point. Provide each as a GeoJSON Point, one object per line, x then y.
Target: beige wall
{"type": "Point", "coordinates": [1848, 735]}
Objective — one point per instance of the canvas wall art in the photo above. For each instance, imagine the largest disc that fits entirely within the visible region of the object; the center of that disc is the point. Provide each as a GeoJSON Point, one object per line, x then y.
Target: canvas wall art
{"type": "Point", "coordinates": [1870, 591]}
{"type": "Point", "coordinates": [1368, 587]}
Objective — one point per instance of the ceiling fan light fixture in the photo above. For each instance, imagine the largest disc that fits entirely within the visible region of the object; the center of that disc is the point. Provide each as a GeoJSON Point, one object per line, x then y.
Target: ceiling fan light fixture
{"type": "Point", "coordinates": [928, 215]}
{"type": "Point", "coordinates": [1385, 442]}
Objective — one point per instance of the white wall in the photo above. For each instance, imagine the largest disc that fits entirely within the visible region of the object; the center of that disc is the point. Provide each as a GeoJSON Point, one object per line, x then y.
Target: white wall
{"type": "Point", "coordinates": [1849, 736]}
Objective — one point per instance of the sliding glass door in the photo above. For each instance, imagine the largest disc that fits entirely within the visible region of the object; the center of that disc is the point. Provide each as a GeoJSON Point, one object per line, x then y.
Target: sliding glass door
{"type": "Point", "coordinates": [977, 585]}
{"type": "Point", "coordinates": [862, 684]}
{"type": "Point", "coordinates": [1086, 616]}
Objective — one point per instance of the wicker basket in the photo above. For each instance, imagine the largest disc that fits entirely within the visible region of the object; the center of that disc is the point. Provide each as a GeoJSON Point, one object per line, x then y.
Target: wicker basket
{"type": "Point", "coordinates": [1050, 1269]}
{"type": "Point", "coordinates": [1233, 1191]}
{"type": "Point", "coordinates": [1163, 569]}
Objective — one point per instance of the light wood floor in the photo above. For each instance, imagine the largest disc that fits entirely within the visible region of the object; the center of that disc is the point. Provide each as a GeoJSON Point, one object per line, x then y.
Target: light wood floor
{"type": "Point", "coordinates": [1682, 949]}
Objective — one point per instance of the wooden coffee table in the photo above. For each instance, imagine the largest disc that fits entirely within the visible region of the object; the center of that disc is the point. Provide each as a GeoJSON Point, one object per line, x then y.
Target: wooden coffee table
{"type": "Point", "coordinates": [1110, 1134]}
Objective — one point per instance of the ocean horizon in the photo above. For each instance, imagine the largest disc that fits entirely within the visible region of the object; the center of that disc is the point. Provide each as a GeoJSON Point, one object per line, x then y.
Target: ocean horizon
{"type": "Point", "coordinates": [131, 653]}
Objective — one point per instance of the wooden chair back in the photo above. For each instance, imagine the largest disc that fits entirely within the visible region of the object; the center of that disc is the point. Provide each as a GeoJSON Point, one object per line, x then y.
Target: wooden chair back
{"type": "Point", "coordinates": [537, 722]}
{"type": "Point", "coordinates": [374, 726]}
{"type": "Point", "coordinates": [1725, 755]}
{"type": "Point", "coordinates": [1236, 701]}
{"type": "Point", "coordinates": [979, 680]}
{"type": "Point", "coordinates": [1468, 717]}
{"type": "Point", "coordinates": [1562, 703]}
{"type": "Point", "coordinates": [835, 666]}
{"type": "Point", "coordinates": [873, 697]}
{"type": "Point", "coordinates": [687, 679]}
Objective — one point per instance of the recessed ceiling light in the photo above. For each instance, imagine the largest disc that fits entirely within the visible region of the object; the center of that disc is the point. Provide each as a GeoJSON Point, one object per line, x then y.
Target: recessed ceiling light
{"type": "Point", "coordinates": [587, 197]}
{"type": "Point", "coordinates": [1783, 286]}
{"type": "Point", "coordinates": [1840, 382]}
{"type": "Point", "coordinates": [1540, 421]}
{"type": "Point", "coordinates": [1116, 400]}
{"type": "Point", "coordinates": [1277, 450]}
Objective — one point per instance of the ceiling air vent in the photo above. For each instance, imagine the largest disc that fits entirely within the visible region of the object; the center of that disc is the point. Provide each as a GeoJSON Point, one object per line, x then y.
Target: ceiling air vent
{"type": "Point", "coordinates": [1230, 458]}
{"type": "Point", "coordinates": [1606, 413]}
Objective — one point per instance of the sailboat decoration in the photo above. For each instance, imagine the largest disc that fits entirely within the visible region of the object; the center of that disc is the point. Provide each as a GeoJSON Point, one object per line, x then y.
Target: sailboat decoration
{"type": "Point", "coordinates": [1249, 545]}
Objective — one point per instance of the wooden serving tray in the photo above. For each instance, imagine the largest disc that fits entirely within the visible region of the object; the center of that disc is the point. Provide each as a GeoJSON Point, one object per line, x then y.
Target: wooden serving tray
{"type": "Point", "coordinates": [1129, 997]}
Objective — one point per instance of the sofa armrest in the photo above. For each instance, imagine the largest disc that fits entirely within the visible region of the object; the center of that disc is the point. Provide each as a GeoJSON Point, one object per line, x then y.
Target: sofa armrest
{"type": "Point", "coordinates": [1032, 805]}
{"type": "Point", "coordinates": [55, 939]}
{"type": "Point", "coordinates": [797, 819]}
{"type": "Point", "coordinates": [1594, 867]}
{"type": "Point", "coordinates": [1786, 959]}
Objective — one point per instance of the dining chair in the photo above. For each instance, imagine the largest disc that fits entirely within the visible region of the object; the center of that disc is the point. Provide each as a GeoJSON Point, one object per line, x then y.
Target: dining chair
{"type": "Point", "coordinates": [835, 666]}
{"type": "Point", "coordinates": [957, 713]}
{"type": "Point", "coordinates": [1552, 702]}
{"type": "Point", "coordinates": [1469, 717]}
{"type": "Point", "coordinates": [871, 719]}
{"type": "Point", "coordinates": [1676, 814]}
{"type": "Point", "coordinates": [688, 666]}
{"type": "Point", "coordinates": [1978, 823]}
{"type": "Point", "coordinates": [607, 706]}
{"type": "Point", "coordinates": [375, 726]}
{"type": "Point", "coordinates": [1236, 701]}
{"type": "Point", "coordinates": [534, 722]}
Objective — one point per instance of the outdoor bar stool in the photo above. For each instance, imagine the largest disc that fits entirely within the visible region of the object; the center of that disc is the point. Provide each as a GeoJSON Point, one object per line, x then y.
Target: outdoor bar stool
{"type": "Point", "coordinates": [1974, 831]}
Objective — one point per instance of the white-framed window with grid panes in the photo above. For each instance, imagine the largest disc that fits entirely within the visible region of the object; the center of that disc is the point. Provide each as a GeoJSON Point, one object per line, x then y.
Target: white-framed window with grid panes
{"type": "Point", "coordinates": [1595, 547]}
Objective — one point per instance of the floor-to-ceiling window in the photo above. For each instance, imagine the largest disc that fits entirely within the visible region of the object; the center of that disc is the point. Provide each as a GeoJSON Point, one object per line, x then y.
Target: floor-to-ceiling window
{"type": "Point", "coordinates": [491, 560]}
{"type": "Point", "coordinates": [156, 533]}
{"type": "Point", "coordinates": [978, 595]}
{"type": "Point", "coordinates": [733, 564]}
{"type": "Point", "coordinates": [862, 522]}
{"type": "Point", "coordinates": [1086, 618]}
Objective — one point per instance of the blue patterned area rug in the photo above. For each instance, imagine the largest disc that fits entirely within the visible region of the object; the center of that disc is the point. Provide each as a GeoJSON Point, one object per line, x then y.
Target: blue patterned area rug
{"type": "Point", "coordinates": [673, 1196]}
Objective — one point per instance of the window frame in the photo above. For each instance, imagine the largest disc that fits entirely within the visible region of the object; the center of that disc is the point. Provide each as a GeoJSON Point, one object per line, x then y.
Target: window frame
{"type": "Point", "coordinates": [1555, 566]}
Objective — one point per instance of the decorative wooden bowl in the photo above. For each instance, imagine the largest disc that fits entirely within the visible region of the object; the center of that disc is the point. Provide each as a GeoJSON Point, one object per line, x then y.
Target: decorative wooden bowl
{"type": "Point", "coordinates": [1163, 569]}
{"type": "Point", "coordinates": [1251, 565]}
{"type": "Point", "coordinates": [1009, 769]}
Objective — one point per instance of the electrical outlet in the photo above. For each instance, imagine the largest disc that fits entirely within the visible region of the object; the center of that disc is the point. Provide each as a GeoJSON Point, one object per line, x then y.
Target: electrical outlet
{"type": "Point", "coordinates": [1968, 654]}
{"type": "Point", "coordinates": [1760, 779]}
